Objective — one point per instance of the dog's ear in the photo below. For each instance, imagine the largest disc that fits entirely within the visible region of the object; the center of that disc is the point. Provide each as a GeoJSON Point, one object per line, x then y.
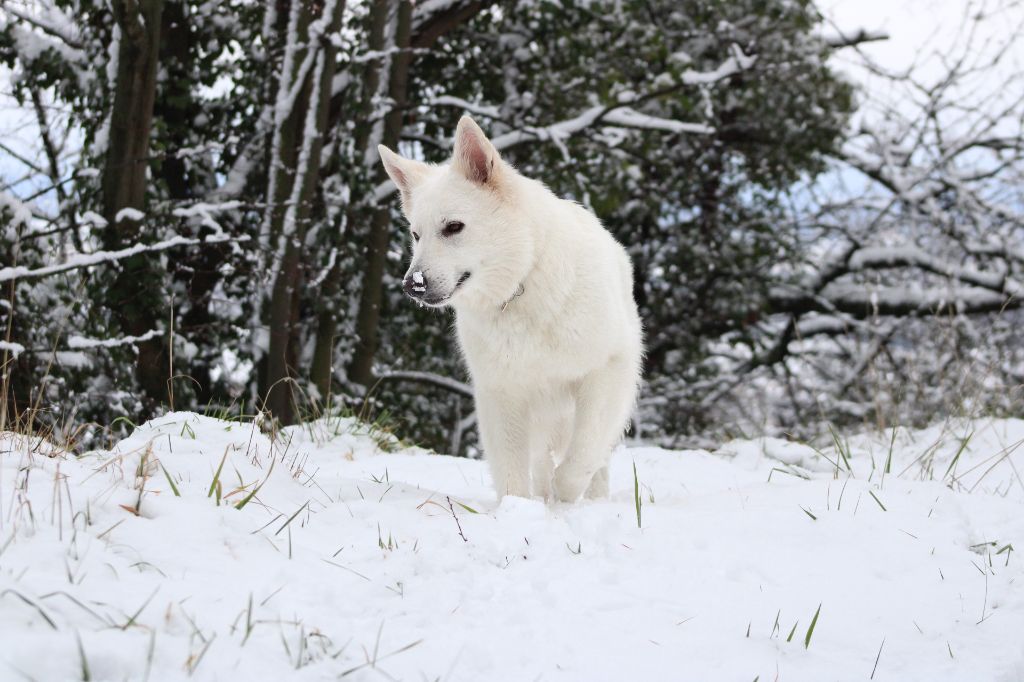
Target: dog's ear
{"type": "Point", "coordinates": [405, 173]}
{"type": "Point", "coordinates": [473, 154]}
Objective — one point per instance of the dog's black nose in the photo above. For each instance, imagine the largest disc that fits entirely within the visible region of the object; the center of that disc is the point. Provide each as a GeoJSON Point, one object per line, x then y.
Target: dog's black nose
{"type": "Point", "coordinates": [415, 284]}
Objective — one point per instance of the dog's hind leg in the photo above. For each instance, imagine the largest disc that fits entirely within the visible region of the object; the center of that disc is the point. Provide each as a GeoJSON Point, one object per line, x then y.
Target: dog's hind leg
{"type": "Point", "coordinates": [604, 401]}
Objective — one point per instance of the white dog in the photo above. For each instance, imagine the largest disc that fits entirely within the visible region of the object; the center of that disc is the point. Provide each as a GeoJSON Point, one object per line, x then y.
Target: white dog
{"type": "Point", "coordinates": [544, 309]}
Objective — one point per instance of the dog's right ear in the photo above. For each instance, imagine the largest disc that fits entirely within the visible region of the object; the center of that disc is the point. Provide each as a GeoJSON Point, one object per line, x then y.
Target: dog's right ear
{"type": "Point", "coordinates": [405, 173]}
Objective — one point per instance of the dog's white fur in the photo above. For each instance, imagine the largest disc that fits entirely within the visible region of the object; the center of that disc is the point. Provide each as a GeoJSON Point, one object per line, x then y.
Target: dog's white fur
{"type": "Point", "coordinates": [546, 320]}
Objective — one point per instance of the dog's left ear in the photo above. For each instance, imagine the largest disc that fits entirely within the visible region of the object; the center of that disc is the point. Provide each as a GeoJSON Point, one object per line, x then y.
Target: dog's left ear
{"type": "Point", "coordinates": [473, 154]}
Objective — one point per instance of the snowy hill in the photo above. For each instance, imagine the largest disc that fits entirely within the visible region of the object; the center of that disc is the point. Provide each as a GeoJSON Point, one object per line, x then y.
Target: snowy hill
{"type": "Point", "coordinates": [137, 563]}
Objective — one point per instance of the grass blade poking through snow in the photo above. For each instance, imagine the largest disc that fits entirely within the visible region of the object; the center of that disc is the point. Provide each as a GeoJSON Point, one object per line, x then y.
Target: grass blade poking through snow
{"type": "Point", "coordinates": [216, 476]}
{"type": "Point", "coordinates": [636, 497]}
{"type": "Point", "coordinates": [245, 500]}
{"type": "Point", "coordinates": [888, 459]}
{"type": "Point", "coordinates": [174, 488]}
{"type": "Point", "coordinates": [810, 630]}
{"type": "Point", "coordinates": [956, 457]}
{"type": "Point", "coordinates": [83, 662]}
{"type": "Point", "coordinates": [877, 658]}
{"type": "Point", "coordinates": [841, 449]}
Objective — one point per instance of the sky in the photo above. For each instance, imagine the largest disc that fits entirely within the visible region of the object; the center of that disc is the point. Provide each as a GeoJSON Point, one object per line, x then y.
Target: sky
{"type": "Point", "coordinates": [921, 32]}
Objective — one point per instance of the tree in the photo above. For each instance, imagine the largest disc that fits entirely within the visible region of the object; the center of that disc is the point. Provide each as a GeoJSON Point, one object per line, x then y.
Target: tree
{"type": "Point", "coordinates": [298, 130]}
{"type": "Point", "coordinates": [207, 224]}
{"type": "Point", "coordinates": [903, 303]}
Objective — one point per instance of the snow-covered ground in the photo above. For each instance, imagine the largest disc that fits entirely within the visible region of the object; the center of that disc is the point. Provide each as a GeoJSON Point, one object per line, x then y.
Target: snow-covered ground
{"type": "Point", "coordinates": [350, 561]}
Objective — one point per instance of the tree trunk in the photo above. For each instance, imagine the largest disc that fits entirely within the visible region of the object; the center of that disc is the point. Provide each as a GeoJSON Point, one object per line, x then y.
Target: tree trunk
{"type": "Point", "coordinates": [195, 270]}
{"type": "Point", "coordinates": [360, 369]}
{"type": "Point", "coordinates": [134, 296]}
{"type": "Point", "coordinates": [322, 370]}
{"type": "Point", "coordinates": [294, 171]}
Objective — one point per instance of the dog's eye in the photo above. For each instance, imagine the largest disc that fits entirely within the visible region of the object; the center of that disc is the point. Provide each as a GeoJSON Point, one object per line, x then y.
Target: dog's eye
{"type": "Point", "coordinates": [415, 237]}
{"type": "Point", "coordinates": [454, 227]}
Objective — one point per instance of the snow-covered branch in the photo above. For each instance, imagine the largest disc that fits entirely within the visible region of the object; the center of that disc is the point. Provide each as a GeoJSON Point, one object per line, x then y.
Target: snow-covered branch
{"type": "Point", "coordinates": [621, 113]}
{"type": "Point", "coordinates": [444, 382]}
{"type": "Point", "coordinates": [861, 302]}
{"type": "Point", "coordinates": [631, 118]}
{"type": "Point", "coordinates": [472, 107]}
{"type": "Point", "coordinates": [82, 343]}
{"type": "Point", "coordinates": [912, 256]}
{"type": "Point", "coordinates": [85, 260]}
{"type": "Point", "coordinates": [50, 28]}
{"type": "Point", "coordinates": [15, 349]}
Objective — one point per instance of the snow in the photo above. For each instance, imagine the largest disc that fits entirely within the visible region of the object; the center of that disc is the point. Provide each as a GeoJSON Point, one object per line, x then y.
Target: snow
{"type": "Point", "coordinates": [477, 109]}
{"type": "Point", "coordinates": [129, 213]}
{"type": "Point", "coordinates": [893, 256]}
{"type": "Point", "coordinates": [737, 62]}
{"type": "Point", "coordinates": [84, 260]}
{"type": "Point", "coordinates": [78, 342]}
{"type": "Point", "coordinates": [11, 347]}
{"type": "Point", "coordinates": [352, 560]}
{"type": "Point", "coordinates": [20, 213]}
{"type": "Point", "coordinates": [618, 114]}
{"type": "Point", "coordinates": [93, 219]}
{"type": "Point", "coordinates": [632, 118]}
{"type": "Point", "coordinates": [204, 212]}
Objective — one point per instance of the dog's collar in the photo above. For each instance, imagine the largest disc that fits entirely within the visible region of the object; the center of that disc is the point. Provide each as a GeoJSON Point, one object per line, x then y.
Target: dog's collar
{"type": "Point", "coordinates": [519, 292]}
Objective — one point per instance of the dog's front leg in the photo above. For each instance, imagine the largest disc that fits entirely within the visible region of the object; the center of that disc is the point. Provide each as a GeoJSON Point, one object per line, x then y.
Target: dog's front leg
{"type": "Point", "coordinates": [551, 414]}
{"type": "Point", "coordinates": [504, 431]}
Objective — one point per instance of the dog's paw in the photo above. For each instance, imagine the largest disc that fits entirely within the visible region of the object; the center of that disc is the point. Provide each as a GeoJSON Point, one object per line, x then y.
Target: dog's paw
{"type": "Point", "coordinates": [598, 487]}
{"type": "Point", "coordinates": [569, 487]}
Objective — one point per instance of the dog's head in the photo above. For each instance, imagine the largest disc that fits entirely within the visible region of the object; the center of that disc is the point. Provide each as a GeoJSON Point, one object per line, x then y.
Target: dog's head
{"type": "Point", "coordinates": [471, 246]}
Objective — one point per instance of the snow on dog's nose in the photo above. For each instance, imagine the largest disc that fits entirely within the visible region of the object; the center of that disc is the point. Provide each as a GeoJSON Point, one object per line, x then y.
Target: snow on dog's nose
{"type": "Point", "coordinates": [415, 284]}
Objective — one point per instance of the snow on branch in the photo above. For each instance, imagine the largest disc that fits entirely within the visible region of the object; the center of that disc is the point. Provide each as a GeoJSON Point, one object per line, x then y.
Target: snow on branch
{"type": "Point", "coordinates": [860, 302]}
{"type": "Point", "coordinates": [372, 55]}
{"type": "Point", "coordinates": [85, 260]}
{"type": "Point", "coordinates": [50, 28]}
{"type": "Point", "coordinates": [14, 349]}
{"type": "Point", "coordinates": [892, 256]}
{"type": "Point", "coordinates": [205, 211]}
{"type": "Point", "coordinates": [631, 118]}
{"type": "Point", "coordinates": [620, 113]}
{"type": "Point", "coordinates": [827, 325]}
{"type": "Point", "coordinates": [429, 378]}
{"type": "Point", "coordinates": [737, 62]}
{"type": "Point", "coordinates": [434, 18]}
{"type": "Point", "coordinates": [451, 101]}
{"type": "Point", "coordinates": [83, 343]}
{"type": "Point", "coordinates": [20, 212]}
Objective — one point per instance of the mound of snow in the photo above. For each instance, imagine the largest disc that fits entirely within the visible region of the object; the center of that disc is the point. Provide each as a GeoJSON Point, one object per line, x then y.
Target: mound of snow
{"type": "Point", "coordinates": [204, 549]}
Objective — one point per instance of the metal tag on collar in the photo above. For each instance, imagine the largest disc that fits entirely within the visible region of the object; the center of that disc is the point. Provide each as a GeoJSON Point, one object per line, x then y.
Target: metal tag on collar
{"type": "Point", "coordinates": [519, 292]}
